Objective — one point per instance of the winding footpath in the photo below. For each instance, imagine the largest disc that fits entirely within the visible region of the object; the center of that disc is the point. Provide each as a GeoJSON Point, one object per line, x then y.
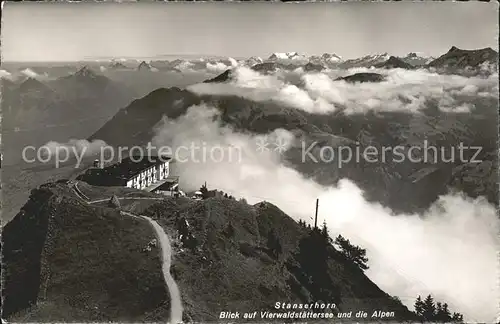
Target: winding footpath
{"type": "Point", "coordinates": [166, 250]}
{"type": "Point", "coordinates": [166, 254]}
{"type": "Point", "coordinates": [175, 295]}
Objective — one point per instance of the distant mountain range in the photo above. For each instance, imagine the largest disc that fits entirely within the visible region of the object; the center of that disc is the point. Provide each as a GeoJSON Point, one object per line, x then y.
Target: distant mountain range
{"type": "Point", "coordinates": [35, 105]}
{"type": "Point", "coordinates": [454, 61]}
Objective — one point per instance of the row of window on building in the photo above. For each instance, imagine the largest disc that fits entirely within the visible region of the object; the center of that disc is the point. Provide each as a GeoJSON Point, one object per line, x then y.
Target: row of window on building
{"type": "Point", "coordinates": [149, 176]}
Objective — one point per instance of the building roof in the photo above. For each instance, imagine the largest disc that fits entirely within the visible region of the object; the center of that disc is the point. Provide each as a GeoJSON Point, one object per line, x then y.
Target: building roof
{"type": "Point", "coordinates": [131, 166]}
{"type": "Point", "coordinates": [166, 185]}
{"type": "Point", "coordinates": [118, 173]}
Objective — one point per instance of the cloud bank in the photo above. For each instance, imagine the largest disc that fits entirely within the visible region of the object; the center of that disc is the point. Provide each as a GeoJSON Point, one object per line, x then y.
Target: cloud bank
{"type": "Point", "coordinates": [216, 67]}
{"type": "Point", "coordinates": [449, 251]}
{"type": "Point", "coordinates": [402, 90]}
{"type": "Point", "coordinates": [32, 74]}
{"type": "Point", "coordinates": [74, 148]}
{"type": "Point", "coordinates": [6, 75]}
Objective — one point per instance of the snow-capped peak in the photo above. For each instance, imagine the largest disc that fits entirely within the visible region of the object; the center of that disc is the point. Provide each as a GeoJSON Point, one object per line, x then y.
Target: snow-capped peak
{"type": "Point", "coordinates": [412, 54]}
{"type": "Point", "coordinates": [374, 57]}
{"type": "Point", "coordinates": [85, 72]}
{"type": "Point", "coordinates": [5, 75]}
{"type": "Point", "coordinates": [416, 55]}
{"type": "Point", "coordinates": [366, 61]}
{"type": "Point", "coordinates": [330, 57]}
{"type": "Point", "coordinates": [253, 60]}
{"type": "Point", "coordinates": [383, 56]}
{"type": "Point", "coordinates": [417, 58]}
{"type": "Point", "coordinates": [117, 65]}
{"type": "Point", "coordinates": [286, 56]}
{"type": "Point", "coordinates": [144, 66]}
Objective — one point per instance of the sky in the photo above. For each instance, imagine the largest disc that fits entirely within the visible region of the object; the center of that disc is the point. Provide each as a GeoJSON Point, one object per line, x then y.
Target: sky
{"type": "Point", "coordinates": [63, 31]}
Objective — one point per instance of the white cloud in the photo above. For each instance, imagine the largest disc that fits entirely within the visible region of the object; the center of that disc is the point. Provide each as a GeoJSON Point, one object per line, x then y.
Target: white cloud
{"type": "Point", "coordinates": [30, 73]}
{"type": "Point", "coordinates": [185, 66]}
{"type": "Point", "coordinates": [216, 67]}
{"type": "Point", "coordinates": [402, 90]}
{"type": "Point", "coordinates": [6, 75]}
{"type": "Point", "coordinates": [449, 251]}
{"type": "Point", "coordinates": [233, 62]}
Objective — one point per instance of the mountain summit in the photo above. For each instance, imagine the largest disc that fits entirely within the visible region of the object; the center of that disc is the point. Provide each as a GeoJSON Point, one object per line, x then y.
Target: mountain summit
{"type": "Point", "coordinates": [457, 58]}
{"type": "Point", "coordinates": [85, 72]}
{"type": "Point", "coordinates": [223, 77]}
{"type": "Point", "coordinates": [330, 57]}
{"type": "Point", "coordinates": [143, 66]}
{"type": "Point", "coordinates": [32, 84]}
{"type": "Point", "coordinates": [117, 65]}
{"type": "Point", "coordinates": [394, 63]}
{"type": "Point", "coordinates": [416, 59]}
{"type": "Point", "coordinates": [84, 80]}
{"type": "Point", "coordinates": [365, 61]}
{"type": "Point", "coordinates": [286, 56]}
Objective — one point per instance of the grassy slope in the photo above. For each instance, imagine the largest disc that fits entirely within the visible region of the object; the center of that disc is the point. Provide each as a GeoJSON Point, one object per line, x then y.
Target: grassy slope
{"type": "Point", "coordinates": [237, 272]}
{"type": "Point", "coordinates": [92, 267]}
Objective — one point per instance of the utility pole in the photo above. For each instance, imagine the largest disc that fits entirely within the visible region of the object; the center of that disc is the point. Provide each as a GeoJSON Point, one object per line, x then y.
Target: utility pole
{"type": "Point", "coordinates": [316, 214]}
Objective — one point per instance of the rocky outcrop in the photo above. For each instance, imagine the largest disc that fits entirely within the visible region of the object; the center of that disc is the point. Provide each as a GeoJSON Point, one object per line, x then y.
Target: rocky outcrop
{"type": "Point", "coordinates": [221, 78]}
{"type": "Point", "coordinates": [78, 263]}
{"type": "Point", "coordinates": [457, 58]}
{"type": "Point", "coordinates": [23, 240]}
{"type": "Point", "coordinates": [312, 67]}
{"type": "Point", "coordinates": [362, 77]}
{"type": "Point", "coordinates": [394, 63]}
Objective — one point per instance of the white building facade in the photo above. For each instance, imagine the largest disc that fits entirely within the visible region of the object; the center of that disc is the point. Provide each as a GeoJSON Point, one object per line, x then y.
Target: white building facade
{"type": "Point", "coordinates": [150, 176]}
